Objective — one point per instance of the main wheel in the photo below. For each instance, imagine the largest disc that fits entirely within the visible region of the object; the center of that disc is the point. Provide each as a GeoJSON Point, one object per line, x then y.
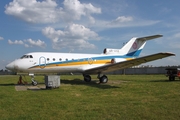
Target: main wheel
{"type": "Point", "coordinates": [103, 79]}
{"type": "Point", "coordinates": [87, 78]}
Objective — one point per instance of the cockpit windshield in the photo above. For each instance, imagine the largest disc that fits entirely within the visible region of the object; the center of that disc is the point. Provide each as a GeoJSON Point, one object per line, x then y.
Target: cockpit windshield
{"type": "Point", "coordinates": [26, 56]}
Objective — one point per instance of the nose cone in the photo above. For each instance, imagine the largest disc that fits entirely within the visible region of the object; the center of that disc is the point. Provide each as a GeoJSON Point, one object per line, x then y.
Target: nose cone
{"type": "Point", "coordinates": [10, 66]}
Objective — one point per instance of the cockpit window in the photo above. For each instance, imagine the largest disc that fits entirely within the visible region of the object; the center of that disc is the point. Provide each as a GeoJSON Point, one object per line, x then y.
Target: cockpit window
{"type": "Point", "coordinates": [26, 56]}
{"type": "Point", "coordinates": [23, 56]}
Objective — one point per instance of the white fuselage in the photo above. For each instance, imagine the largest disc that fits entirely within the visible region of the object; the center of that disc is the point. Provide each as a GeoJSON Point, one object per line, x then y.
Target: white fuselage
{"type": "Point", "coordinates": [41, 62]}
{"type": "Point", "coordinates": [47, 62]}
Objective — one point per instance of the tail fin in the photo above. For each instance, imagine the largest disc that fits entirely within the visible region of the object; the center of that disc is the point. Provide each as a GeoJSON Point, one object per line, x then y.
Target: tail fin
{"type": "Point", "coordinates": [135, 45]}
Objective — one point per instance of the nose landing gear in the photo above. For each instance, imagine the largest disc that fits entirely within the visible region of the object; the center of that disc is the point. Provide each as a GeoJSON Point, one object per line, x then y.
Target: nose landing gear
{"type": "Point", "coordinates": [34, 82]}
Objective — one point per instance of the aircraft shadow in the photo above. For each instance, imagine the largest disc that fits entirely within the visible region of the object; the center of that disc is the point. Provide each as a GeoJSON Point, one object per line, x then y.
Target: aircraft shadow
{"type": "Point", "coordinates": [92, 83]}
{"type": "Point", "coordinates": [164, 81]}
{"type": "Point", "coordinates": [10, 84]}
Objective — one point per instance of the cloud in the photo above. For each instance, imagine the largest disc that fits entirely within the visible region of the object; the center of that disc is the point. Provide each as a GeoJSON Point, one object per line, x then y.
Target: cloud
{"type": "Point", "coordinates": [37, 43]}
{"type": "Point", "coordinates": [28, 43]}
{"type": "Point", "coordinates": [48, 11]}
{"type": "Point", "coordinates": [75, 9]}
{"type": "Point", "coordinates": [176, 36]}
{"type": "Point", "coordinates": [70, 11]}
{"type": "Point", "coordinates": [122, 19]}
{"type": "Point", "coordinates": [33, 11]}
{"type": "Point", "coordinates": [74, 36]}
{"type": "Point", "coordinates": [127, 21]}
{"type": "Point", "coordinates": [175, 45]}
{"type": "Point", "coordinates": [171, 41]}
{"type": "Point", "coordinates": [16, 42]}
{"type": "Point", "coordinates": [1, 38]}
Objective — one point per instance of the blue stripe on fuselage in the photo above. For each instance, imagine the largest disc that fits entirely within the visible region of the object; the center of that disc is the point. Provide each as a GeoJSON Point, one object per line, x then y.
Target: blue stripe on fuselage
{"type": "Point", "coordinates": [129, 55]}
{"type": "Point", "coordinates": [135, 53]}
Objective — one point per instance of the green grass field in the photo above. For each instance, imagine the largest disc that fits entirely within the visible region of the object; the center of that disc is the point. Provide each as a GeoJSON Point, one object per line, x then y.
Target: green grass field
{"type": "Point", "coordinates": [123, 97]}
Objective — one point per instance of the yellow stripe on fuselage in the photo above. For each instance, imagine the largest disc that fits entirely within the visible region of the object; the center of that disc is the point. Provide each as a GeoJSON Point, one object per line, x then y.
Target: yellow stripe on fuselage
{"type": "Point", "coordinates": [76, 63]}
{"type": "Point", "coordinates": [85, 62]}
{"type": "Point", "coordinates": [129, 58]}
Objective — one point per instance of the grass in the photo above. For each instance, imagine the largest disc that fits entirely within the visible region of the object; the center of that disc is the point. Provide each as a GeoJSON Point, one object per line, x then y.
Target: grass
{"type": "Point", "coordinates": [123, 97]}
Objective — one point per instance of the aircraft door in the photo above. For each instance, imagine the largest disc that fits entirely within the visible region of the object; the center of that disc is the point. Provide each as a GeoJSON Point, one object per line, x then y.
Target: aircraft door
{"type": "Point", "coordinates": [42, 62]}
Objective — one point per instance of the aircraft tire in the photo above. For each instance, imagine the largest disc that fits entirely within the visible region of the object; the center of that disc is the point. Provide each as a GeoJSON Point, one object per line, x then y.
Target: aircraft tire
{"type": "Point", "coordinates": [87, 78]}
{"type": "Point", "coordinates": [34, 83]}
{"type": "Point", "coordinates": [103, 79]}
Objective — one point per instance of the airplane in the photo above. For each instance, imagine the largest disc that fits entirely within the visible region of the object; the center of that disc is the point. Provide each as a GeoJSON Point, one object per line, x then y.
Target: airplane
{"type": "Point", "coordinates": [87, 64]}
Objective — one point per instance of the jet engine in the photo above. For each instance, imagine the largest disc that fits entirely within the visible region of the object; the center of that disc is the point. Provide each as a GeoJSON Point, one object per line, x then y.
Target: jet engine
{"type": "Point", "coordinates": [111, 51]}
{"type": "Point", "coordinates": [116, 60]}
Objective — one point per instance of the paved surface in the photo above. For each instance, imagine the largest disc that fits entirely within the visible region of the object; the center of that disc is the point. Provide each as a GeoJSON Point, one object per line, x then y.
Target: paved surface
{"type": "Point", "coordinates": [29, 87]}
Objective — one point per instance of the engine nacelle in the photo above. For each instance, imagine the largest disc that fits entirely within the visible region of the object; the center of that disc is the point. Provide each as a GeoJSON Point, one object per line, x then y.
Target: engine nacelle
{"type": "Point", "coordinates": [111, 51]}
{"type": "Point", "coordinates": [115, 60]}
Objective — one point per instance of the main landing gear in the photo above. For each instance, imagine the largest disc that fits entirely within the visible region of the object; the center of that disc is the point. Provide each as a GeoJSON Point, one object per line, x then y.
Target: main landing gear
{"type": "Point", "coordinates": [102, 79]}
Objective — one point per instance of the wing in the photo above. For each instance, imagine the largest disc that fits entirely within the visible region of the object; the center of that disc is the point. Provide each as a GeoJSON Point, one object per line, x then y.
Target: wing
{"type": "Point", "coordinates": [128, 63]}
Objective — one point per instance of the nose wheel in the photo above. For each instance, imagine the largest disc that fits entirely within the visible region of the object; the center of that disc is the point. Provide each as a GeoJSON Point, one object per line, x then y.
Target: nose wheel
{"type": "Point", "coordinates": [34, 82]}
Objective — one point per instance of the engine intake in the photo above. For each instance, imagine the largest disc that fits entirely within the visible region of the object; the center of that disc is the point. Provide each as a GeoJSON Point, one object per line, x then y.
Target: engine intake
{"type": "Point", "coordinates": [111, 51]}
{"type": "Point", "coordinates": [116, 60]}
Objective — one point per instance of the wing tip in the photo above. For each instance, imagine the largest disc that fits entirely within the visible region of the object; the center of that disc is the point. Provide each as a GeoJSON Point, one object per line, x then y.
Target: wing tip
{"type": "Point", "coordinates": [169, 53]}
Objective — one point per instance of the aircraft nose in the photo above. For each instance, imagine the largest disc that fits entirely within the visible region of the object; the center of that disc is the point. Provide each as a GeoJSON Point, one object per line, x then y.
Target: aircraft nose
{"type": "Point", "coordinates": [10, 66]}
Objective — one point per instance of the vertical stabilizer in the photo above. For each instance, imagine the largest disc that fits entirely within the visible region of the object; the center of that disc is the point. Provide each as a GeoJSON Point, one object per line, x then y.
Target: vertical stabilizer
{"type": "Point", "coordinates": [135, 45]}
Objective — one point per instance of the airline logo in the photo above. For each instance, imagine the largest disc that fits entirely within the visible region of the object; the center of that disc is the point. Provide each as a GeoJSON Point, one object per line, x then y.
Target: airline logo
{"type": "Point", "coordinates": [134, 45]}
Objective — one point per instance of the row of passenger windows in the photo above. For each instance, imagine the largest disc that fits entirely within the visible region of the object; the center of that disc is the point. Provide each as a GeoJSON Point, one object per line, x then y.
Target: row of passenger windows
{"type": "Point", "coordinates": [60, 59]}
{"type": "Point", "coordinates": [48, 59]}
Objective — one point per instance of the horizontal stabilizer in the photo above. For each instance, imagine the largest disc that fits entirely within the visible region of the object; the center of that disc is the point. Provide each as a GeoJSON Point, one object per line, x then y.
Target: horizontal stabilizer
{"type": "Point", "coordinates": [149, 37]}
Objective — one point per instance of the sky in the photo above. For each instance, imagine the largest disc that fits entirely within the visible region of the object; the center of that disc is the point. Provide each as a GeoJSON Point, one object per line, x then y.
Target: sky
{"type": "Point", "coordinates": [87, 26]}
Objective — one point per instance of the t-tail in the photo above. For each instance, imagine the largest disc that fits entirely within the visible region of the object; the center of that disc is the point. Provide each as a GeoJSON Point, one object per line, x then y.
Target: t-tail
{"type": "Point", "coordinates": [133, 47]}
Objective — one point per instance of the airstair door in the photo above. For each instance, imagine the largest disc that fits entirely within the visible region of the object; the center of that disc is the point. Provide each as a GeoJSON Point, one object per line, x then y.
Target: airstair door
{"type": "Point", "coordinates": [42, 62]}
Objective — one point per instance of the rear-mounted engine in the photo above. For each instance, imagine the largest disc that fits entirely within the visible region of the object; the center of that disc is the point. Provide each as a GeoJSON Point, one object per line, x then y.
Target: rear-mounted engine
{"type": "Point", "coordinates": [111, 51]}
{"type": "Point", "coordinates": [116, 60]}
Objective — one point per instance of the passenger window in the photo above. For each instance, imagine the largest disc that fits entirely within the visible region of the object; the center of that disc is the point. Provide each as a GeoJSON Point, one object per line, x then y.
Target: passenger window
{"type": "Point", "coordinates": [60, 59]}
{"type": "Point", "coordinates": [47, 59]}
{"type": "Point", "coordinates": [66, 59]}
{"type": "Point", "coordinates": [53, 59]}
